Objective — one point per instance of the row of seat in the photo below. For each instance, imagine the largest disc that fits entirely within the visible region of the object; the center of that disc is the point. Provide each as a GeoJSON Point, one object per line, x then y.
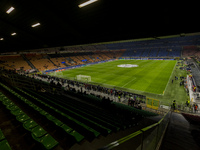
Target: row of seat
{"type": "Point", "coordinates": [4, 145]}
{"type": "Point", "coordinates": [86, 111]}
{"type": "Point", "coordinates": [120, 106]}
{"type": "Point", "coordinates": [78, 137]}
{"type": "Point", "coordinates": [134, 110]}
{"type": "Point", "coordinates": [55, 111]}
{"type": "Point", "coordinates": [110, 116]}
{"type": "Point", "coordinates": [100, 116]}
{"type": "Point", "coordinates": [68, 114]}
{"type": "Point", "coordinates": [37, 132]}
{"type": "Point", "coordinates": [72, 111]}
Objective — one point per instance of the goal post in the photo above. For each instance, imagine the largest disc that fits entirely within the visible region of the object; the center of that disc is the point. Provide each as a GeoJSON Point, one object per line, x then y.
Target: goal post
{"type": "Point", "coordinates": [84, 78]}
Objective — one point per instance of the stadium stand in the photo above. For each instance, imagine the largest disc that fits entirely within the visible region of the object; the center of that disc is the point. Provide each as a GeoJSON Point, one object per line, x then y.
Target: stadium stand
{"type": "Point", "coordinates": [39, 59]}
{"type": "Point", "coordinates": [163, 47]}
{"type": "Point", "coordinates": [37, 132]}
{"type": "Point", "coordinates": [192, 119]}
{"type": "Point", "coordinates": [77, 116]}
{"type": "Point", "coordinates": [153, 52]}
{"type": "Point", "coordinates": [190, 51]}
{"type": "Point", "coordinates": [3, 142]}
{"type": "Point", "coordinates": [81, 117]}
{"type": "Point", "coordinates": [14, 62]}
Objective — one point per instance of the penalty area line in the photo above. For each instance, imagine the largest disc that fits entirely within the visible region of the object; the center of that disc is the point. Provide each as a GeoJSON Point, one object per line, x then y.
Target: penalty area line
{"type": "Point", "coordinates": [128, 82]}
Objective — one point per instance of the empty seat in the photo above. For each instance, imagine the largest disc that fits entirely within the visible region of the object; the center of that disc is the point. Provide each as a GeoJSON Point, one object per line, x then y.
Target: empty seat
{"type": "Point", "coordinates": [48, 141]}
{"type": "Point", "coordinates": [17, 112]}
{"type": "Point", "coordinates": [23, 118]}
{"type": "Point", "coordinates": [12, 107]}
{"type": "Point", "coordinates": [66, 128]}
{"type": "Point", "coordinates": [30, 124]}
{"type": "Point", "coordinates": [2, 137]}
{"type": "Point", "coordinates": [57, 122]}
{"type": "Point", "coordinates": [72, 132]}
{"type": "Point", "coordinates": [77, 136]}
{"type": "Point", "coordinates": [4, 145]}
{"type": "Point", "coordinates": [50, 117]}
{"type": "Point", "coordinates": [38, 132]}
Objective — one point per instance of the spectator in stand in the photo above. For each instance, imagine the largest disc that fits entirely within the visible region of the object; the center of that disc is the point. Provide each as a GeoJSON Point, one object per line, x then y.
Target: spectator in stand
{"type": "Point", "coordinates": [129, 101]}
{"type": "Point", "coordinates": [187, 102]}
{"type": "Point", "coordinates": [119, 97]}
{"type": "Point", "coordinates": [139, 106]}
{"type": "Point", "coordinates": [132, 101]}
{"type": "Point", "coordinates": [59, 85]}
{"type": "Point", "coordinates": [195, 108]}
{"type": "Point", "coordinates": [174, 105]}
{"type": "Point", "coordinates": [194, 90]}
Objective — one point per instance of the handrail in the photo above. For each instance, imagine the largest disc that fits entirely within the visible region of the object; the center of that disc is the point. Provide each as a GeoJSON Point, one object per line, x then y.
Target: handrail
{"type": "Point", "coordinates": [120, 141]}
{"type": "Point", "coordinates": [130, 136]}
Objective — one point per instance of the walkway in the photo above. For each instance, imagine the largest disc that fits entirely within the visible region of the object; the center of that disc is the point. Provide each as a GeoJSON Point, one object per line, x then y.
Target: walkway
{"type": "Point", "coordinates": [179, 135]}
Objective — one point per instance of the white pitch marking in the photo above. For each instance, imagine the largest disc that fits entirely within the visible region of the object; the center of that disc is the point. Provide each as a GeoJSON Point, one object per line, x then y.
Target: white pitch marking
{"type": "Point", "coordinates": [169, 79]}
{"type": "Point", "coordinates": [128, 82]}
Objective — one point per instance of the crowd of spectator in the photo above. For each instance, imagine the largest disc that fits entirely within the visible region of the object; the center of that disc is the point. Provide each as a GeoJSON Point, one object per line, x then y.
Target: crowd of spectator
{"type": "Point", "coordinates": [131, 99]}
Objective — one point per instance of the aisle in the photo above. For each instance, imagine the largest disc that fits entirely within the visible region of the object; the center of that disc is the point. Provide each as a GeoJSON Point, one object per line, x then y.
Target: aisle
{"type": "Point", "coordinates": [179, 134]}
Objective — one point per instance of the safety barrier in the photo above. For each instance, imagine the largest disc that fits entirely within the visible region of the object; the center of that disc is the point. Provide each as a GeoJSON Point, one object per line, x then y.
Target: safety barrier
{"type": "Point", "coordinates": [148, 138]}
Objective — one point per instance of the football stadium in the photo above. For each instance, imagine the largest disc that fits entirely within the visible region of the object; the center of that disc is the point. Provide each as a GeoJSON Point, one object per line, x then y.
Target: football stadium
{"type": "Point", "coordinates": [80, 75]}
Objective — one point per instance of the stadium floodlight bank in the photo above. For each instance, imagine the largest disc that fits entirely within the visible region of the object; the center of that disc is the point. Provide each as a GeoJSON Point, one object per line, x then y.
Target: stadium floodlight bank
{"type": "Point", "coordinates": [84, 78]}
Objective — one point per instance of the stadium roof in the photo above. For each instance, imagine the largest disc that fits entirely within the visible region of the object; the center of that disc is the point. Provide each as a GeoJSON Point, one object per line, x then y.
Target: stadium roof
{"type": "Point", "coordinates": [63, 23]}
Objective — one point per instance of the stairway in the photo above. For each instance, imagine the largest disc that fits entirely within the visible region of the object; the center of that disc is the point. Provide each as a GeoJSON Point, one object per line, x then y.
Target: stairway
{"type": "Point", "coordinates": [30, 64]}
{"type": "Point", "coordinates": [49, 58]}
{"type": "Point", "coordinates": [180, 134]}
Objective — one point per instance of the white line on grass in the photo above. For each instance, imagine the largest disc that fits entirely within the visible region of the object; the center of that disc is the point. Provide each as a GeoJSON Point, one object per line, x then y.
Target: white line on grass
{"type": "Point", "coordinates": [169, 79]}
{"type": "Point", "coordinates": [125, 89]}
{"type": "Point", "coordinates": [128, 82]}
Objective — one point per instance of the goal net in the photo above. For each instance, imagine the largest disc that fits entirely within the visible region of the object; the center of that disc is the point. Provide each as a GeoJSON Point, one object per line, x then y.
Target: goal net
{"type": "Point", "coordinates": [57, 74]}
{"type": "Point", "coordinates": [83, 78]}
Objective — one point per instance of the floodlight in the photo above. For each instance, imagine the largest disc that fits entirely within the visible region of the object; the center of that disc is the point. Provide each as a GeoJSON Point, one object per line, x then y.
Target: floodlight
{"type": "Point", "coordinates": [1, 39]}
{"type": "Point", "coordinates": [14, 33]}
{"type": "Point", "coordinates": [86, 3]}
{"type": "Point", "coordinates": [10, 10]}
{"type": "Point", "coordinates": [35, 25]}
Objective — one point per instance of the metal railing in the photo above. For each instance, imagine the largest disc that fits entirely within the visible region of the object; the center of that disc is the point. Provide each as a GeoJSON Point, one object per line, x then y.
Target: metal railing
{"type": "Point", "coordinates": [148, 138]}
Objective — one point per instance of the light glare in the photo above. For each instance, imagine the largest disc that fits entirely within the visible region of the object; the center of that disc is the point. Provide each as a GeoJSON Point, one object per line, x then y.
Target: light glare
{"type": "Point", "coordinates": [1, 39]}
{"type": "Point", "coordinates": [13, 33]}
{"type": "Point", "coordinates": [86, 3]}
{"type": "Point", "coordinates": [35, 25]}
{"type": "Point", "coordinates": [10, 10]}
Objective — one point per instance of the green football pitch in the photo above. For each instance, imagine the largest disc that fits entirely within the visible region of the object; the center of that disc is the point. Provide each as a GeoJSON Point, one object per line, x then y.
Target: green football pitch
{"type": "Point", "coordinates": [152, 78]}
{"type": "Point", "coordinates": [149, 76]}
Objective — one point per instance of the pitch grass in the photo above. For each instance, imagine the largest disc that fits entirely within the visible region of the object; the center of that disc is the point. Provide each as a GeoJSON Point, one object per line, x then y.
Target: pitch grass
{"type": "Point", "coordinates": [150, 78]}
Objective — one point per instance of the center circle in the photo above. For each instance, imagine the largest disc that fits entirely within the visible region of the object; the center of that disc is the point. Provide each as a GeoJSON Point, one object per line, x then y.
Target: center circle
{"type": "Point", "coordinates": [127, 65]}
